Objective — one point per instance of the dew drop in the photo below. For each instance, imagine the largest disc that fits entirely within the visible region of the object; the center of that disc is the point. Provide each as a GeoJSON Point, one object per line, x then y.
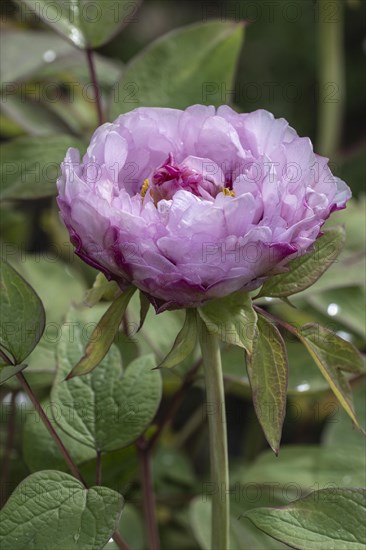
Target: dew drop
{"type": "Point", "coordinates": [303, 387]}
{"type": "Point", "coordinates": [333, 309]}
{"type": "Point", "coordinates": [49, 56]}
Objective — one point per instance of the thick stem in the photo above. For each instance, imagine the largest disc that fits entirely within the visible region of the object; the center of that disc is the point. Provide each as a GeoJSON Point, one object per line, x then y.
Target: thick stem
{"type": "Point", "coordinates": [46, 421]}
{"type": "Point", "coordinates": [331, 71]}
{"type": "Point", "coordinates": [94, 81]}
{"type": "Point", "coordinates": [148, 494]}
{"type": "Point", "coordinates": [215, 397]}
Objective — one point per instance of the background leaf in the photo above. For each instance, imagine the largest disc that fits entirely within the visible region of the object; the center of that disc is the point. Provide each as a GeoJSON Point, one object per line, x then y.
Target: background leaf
{"type": "Point", "coordinates": [53, 510]}
{"type": "Point", "coordinates": [309, 523]}
{"type": "Point", "coordinates": [186, 66]}
{"type": "Point", "coordinates": [86, 23]}
{"type": "Point", "coordinates": [23, 316]}
{"type": "Point", "coordinates": [30, 165]}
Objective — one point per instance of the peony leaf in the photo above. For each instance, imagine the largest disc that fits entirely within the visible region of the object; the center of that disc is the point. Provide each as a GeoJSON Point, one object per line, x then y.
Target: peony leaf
{"type": "Point", "coordinates": [267, 372]}
{"type": "Point", "coordinates": [329, 518]}
{"type": "Point", "coordinates": [30, 165]}
{"type": "Point", "coordinates": [53, 510]}
{"type": "Point", "coordinates": [304, 271]}
{"type": "Point", "coordinates": [333, 355]}
{"type": "Point", "coordinates": [144, 309]}
{"type": "Point", "coordinates": [107, 409]}
{"type": "Point", "coordinates": [193, 64]}
{"type": "Point", "coordinates": [185, 342]}
{"type": "Point", "coordinates": [102, 289]}
{"type": "Point", "coordinates": [22, 315]}
{"type": "Point", "coordinates": [232, 318]}
{"type": "Point", "coordinates": [86, 23]}
{"type": "Point", "coordinates": [103, 335]}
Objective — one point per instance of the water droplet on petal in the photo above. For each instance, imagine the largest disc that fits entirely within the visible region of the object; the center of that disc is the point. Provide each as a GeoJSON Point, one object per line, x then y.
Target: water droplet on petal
{"type": "Point", "coordinates": [49, 56]}
{"type": "Point", "coordinates": [333, 309]}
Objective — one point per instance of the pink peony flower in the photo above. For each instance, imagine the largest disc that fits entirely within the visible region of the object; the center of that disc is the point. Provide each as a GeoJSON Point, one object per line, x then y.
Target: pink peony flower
{"type": "Point", "coordinates": [195, 204]}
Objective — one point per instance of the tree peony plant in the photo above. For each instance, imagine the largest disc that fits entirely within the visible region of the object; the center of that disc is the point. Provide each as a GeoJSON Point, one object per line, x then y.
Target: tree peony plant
{"type": "Point", "coordinates": [195, 204]}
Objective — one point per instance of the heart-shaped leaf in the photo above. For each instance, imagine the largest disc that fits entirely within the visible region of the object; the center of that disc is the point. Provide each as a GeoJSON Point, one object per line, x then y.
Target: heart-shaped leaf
{"type": "Point", "coordinates": [232, 318]}
{"type": "Point", "coordinates": [194, 64]}
{"type": "Point", "coordinates": [86, 23]}
{"type": "Point", "coordinates": [53, 510]}
{"type": "Point", "coordinates": [329, 518]}
{"type": "Point", "coordinates": [106, 409]}
{"type": "Point", "coordinates": [304, 271]}
{"type": "Point", "coordinates": [103, 335]}
{"type": "Point", "coordinates": [22, 314]}
{"type": "Point", "coordinates": [267, 372]}
{"type": "Point", "coordinates": [185, 342]}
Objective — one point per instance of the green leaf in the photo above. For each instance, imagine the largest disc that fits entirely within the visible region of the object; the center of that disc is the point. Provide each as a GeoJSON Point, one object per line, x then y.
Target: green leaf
{"type": "Point", "coordinates": [53, 510]}
{"type": "Point", "coordinates": [193, 64]}
{"type": "Point", "coordinates": [30, 165]}
{"type": "Point", "coordinates": [333, 355]}
{"type": "Point", "coordinates": [8, 372]}
{"type": "Point", "coordinates": [303, 468]}
{"type": "Point", "coordinates": [232, 318]}
{"type": "Point", "coordinates": [267, 371]}
{"type": "Point", "coordinates": [144, 309]}
{"type": "Point", "coordinates": [329, 518]}
{"type": "Point", "coordinates": [131, 528]}
{"type": "Point", "coordinates": [86, 23]}
{"type": "Point", "coordinates": [106, 409]}
{"type": "Point", "coordinates": [304, 271]}
{"type": "Point", "coordinates": [102, 289]}
{"type": "Point", "coordinates": [23, 317]}
{"type": "Point", "coordinates": [103, 335]}
{"type": "Point", "coordinates": [184, 343]}
{"type": "Point", "coordinates": [39, 450]}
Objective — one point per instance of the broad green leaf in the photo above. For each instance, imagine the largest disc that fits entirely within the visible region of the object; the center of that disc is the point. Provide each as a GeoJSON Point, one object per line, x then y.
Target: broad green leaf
{"type": "Point", "coordinates": [102, 289]}
{"type": "Point", "coordinates": [333, 355]}
{"type": "Point", "coordinates": [184, 343]}
{"type": "Point", "coordinates": [8, 372]}
{"type": "Point", "coordinates": [267, 372]}
{"type": "Point", "coordinates": [340, 430]}
{"type": "Point", "coordinates": [345, 305]}
{"type": "Point", "coordinates": [304, 271]}
{"type": "Point", "coordinates": [131, 528]}
{"type": "Point", "coordinates": [86, 23]}
{"type": "Point", "coordinates": [103, 335]}
{"type": "Point", "coordinates": [39, 450]}
{"type": "Point", "coordinates": [232, 318]}
{"type": "Point", "coordinates": [106, 409]}
{"type": "Point", "coordinates": [241, 535]}
{"type": "Point", "coordinates": [303, 468]}
{"type": "Point", "coordinates": [19, 62]}
{"type": "Point", "coordinates": [329, 518]}
{"type": "Point", "coordinates": [30, 165]}
{"type": "Point", "coordinates": [53, 510]}
{"type": "Point", "coordinates": [193, 64]}
{"type": "Point", "coordinates": [22, 314]}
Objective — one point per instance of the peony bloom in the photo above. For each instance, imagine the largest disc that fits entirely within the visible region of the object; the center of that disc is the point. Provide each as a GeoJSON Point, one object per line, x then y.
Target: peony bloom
{"type": "Point", "coordinates": [195, 204]}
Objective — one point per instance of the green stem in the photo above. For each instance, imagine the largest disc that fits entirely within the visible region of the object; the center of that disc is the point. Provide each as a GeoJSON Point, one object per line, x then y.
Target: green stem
{"type": "Point", "coordinates": [218, 438]}
{"type": "Point", "coordinates": [332, 86]}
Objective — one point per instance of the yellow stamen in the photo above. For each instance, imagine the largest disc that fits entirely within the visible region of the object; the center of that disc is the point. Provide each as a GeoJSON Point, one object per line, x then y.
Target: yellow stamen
{"type": "Point", "coordinates": [144, 188]}
{"type": "Point", "coordinates": [228, 192]}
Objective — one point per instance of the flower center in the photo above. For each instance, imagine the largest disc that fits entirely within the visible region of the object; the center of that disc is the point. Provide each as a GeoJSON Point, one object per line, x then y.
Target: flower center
{"type": "Point", "coordinates": [198, 176]}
